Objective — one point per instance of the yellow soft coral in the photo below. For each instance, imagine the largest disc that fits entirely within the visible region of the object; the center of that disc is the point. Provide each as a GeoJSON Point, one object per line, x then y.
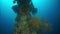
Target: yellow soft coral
{"type": "Point", "coordinates": [35, 23]}
{"type": "Point", "coordinates": [39, 24]}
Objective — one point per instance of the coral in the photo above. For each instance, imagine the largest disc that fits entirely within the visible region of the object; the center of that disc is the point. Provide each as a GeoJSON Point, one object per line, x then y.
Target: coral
{"type": "Point", "coordinates": [25, 23]}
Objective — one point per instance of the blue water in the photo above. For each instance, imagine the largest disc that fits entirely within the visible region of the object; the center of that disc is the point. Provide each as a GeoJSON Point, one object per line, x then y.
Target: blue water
{"type": "Point", "coordinates": [47, 9]}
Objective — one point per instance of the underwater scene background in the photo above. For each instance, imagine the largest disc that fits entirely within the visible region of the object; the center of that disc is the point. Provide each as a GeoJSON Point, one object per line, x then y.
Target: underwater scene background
{"type": "Point", "coordinates": [48, 10]}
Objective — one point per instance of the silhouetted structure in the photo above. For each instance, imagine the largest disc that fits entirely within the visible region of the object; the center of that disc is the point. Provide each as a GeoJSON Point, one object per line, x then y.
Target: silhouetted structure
{"type": "Point", "coordinates": [25, 23]}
